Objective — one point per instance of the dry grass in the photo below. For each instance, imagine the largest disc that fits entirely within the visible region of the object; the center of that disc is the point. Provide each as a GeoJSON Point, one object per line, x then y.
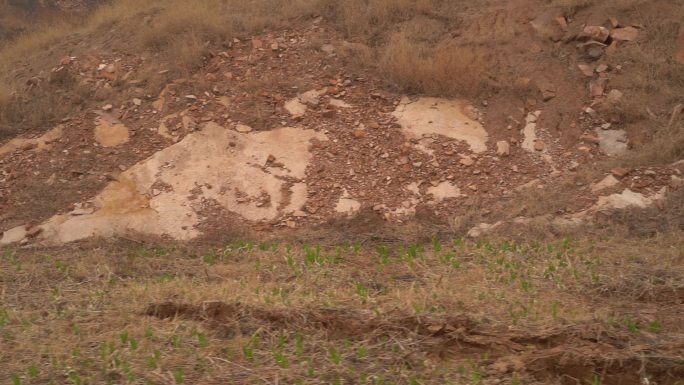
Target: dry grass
{"type": "Point", "coordinates": [444, 312]}
{"type": "Point", "coordinates": [446, 69]}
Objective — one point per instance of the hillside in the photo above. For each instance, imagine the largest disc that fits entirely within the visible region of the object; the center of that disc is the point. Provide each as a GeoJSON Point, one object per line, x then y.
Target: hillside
{"type": "Point", "coordinates": [464, 192]}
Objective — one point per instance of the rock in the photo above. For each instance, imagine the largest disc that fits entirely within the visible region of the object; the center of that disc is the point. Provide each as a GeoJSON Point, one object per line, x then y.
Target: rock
{"type": "Point", "coordinates": [624, 34]}
{"type": "Point", "coordinates": [256, 43]}
{"type": "Point", "coordinates": [607, 182]}
{"type": "Point", "coordinates": [548, 95]}
{"type": "Point", "coordinates": [619, 172]}
{"type": "Point", "coordinates": [627, 198]}
{"type": "Point", "coordinates": [586, 69]}
{"type": "Point", "coordinates": [614, 97]}
{"type": "Point", "coordinates": [596, 33]}
{"type": "Point", "coordinates": [678, 55]}
{"type": "Point", "coordinates": [503, 148]}
{"type": "Point", "coordinates": [467, 161]}
{"type": "Point", "coordinates": [109, 132]}
{"type": "Point", "coordinates": [13, 235]}
{"type": "Point", "coordinates": [243, 128]}
{"type": "Point", "coordinates": [328, 48]}
{"type": "Point", "coordinates": [676, 112]}
{"type": "Point", "coordinates": [597, 87]}
{"type": "Point", "coordinates": [594, 52]}
{"type": "Point", "coordinates": [311, 98]}
{"type": "Point", "coordinates": [137, 101]}
{"type": "Point", "coordinates": [275, 47]}
{"type": "Point", "coordinates": [295, 107]}
{"type": "Point", "coordinates": [358, 133]}
{"type": "Point", "coordinates": [339, 103]}
{"type": "Point", "coordinates": [107, 107]}
{"type": "Point", "coordinates": [612, 142]}
{"type": "Point", "coordinates": [483, 229]}
{"type": "Point", "coordinates": [539, 145]}
{"type": "Point", "coordinates": [601, 68]}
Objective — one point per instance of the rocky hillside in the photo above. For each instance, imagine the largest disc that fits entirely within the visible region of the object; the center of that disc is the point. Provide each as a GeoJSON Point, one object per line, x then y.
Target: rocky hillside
{"type": "Point", "coordinates": [342, 192]}
{"type": "Point", "coordinates": [287, 128]}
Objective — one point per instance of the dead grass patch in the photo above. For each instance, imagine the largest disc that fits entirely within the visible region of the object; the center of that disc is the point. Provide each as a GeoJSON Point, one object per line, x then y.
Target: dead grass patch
{"type": "Point", "coordinates": [665, 147]}
{"type": "Point", "coordinates": [447, 69]}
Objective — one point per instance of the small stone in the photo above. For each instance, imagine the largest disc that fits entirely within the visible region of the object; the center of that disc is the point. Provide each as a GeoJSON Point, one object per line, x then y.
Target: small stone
{"type": "Point", "coordinates": [601, 68]}
{"type": "Point", "coordinates": [503, 148]}
{"type": "Point", "coordinates": [243, 128]}
{"type": "Point", "coordinates": [607, 182]}
{"type": "Point", "coordinates": [539, 145]}
{"type": "Point", "coordinates": [597, 87]}
{"type": "Point", "coordinates": [606, 126]}
{"type": "Point", "coordinates": [586, 69]}
{"type": "Point", "coordinates": [624, 34]}
{"type": "Point", "coordinates": [573, 166]}
{"type": "Point", "coordinates": [596, 33]}
{"type": "Point", "coordinates": [467, 161]}
{"type": "Point", "coordinates": [137, 101]}
{"type": "Point", "coordinates": [619, 172]}
{"type": "Point", "coordinates": [614, 97]}
{"type": "Point", "coordinates": [274, 47]}
{"type": "Point", "coordinates": [107, 107]}
{"type": "Point", "coordinates": [358, 133]}
{"type": "Point", "coordinates": [328, 48]}
{"type": "Point", "coordinates": [256, 43]}
{"type": "Point", "coordinates": [595, 52]}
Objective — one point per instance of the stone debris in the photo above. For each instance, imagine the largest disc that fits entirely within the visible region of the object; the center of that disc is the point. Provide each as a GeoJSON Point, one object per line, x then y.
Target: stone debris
{"type": "Point", "coordinates": [347, 205]}
{"type": "Point", "coordinates": [450, 118]}
{"type": "Point", "coordinates": [14, 235]}
{"type": "Point", "coordinates": [342, 143]}
{"type": "Point", "coordinates": [204, 164]}
{"type": "Point", "coordinates": [295, 107]}
{"type": "Point", "coordinates": [110, 132]}
{"type": "Point", "coordinates": [607, 182]}
{"type": "Point", "coordinates": [444, 190]}
{"type": "Point", "coordinates": [243, 128]}
{"type": "Point", "coordinates": [623, 200]}
{"type": "Point", "coordinates": [624, 34]}
{"type": "Point", "coordinates": [529, 132]}
{"type": "Point", "coordinates": [595, 33]}
{"type": "Point", "coordinates": [612, 142]}
{"type": "Point", "coordinates": [503, 148]}
{"type": "Point", "coordinates": [32, 144]}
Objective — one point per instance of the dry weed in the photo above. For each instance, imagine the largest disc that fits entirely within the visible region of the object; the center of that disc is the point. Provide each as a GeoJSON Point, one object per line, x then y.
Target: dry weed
{"type": "Point", "coordinates": [447, 69]}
